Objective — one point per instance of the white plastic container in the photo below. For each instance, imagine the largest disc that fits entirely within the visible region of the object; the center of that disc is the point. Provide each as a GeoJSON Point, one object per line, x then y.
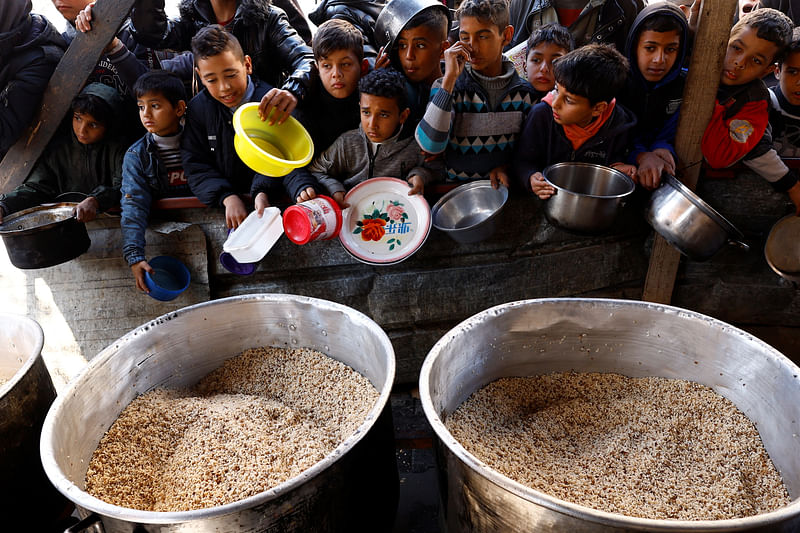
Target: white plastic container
{"type": "Point", "coordinates": [254, 237]}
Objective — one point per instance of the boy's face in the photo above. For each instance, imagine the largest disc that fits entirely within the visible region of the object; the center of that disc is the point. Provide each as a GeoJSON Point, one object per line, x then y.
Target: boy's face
{"type": "Point", "coordinates": [656, 53]}
{"type": "Point", "coordinates": [420, 52]}
{"type": "Point", "coordinates": [340, 72]}
{"type": "Point", "coordinates": [748, 57]}
{"type": "Point", "coordinates": [380, 116]}
{"type": "Point", "coordinates": [158, 115]}
{"type": "Point", "coordinates": [788, 74]}
{"type": "Point", "coordinates": [485, 43]}
{"type": "Point", "coordinates": [540, 65]}
{"type": "Point", "coordinates": [225, 76]}
{"type": "Point", "coordinates": [569, 108]}
{"type": "Point", "coordinates": [69, 9]}
{"type": "Point", "coordinates": [87, 129]}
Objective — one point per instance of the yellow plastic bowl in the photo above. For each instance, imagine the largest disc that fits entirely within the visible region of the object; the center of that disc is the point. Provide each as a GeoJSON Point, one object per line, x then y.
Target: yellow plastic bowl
{"type": "Point", "coordinates": [270, 150]}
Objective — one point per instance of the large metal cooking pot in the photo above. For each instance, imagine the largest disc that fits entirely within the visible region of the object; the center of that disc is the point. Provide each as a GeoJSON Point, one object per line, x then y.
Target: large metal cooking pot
{"type": "Point", "coordinates": [26, 393]}
{"type": "Point", "coordinates": [396, 14]}
{"type": "Point", "coordinates": [594, 335]}
{"type": "Point", "coordinates": [588, 197]}
{"type": "Point", "coordinates": [688, 223]}
{"type": "Point", "coordinates": [353, 489]}
{"type": "Point", "coordinates": [44, 236]}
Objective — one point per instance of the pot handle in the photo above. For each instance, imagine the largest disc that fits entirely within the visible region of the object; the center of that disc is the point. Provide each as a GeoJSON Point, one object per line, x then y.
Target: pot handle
{"type": "Point", "coordinates": [90, 523]}
{"type": "Point", "coordinates": [741, 245]}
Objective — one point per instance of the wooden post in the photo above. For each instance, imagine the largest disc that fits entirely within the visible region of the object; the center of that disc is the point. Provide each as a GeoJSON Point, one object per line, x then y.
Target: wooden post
{"type": "Point", "coordinates": [705, 69]}
{"type": "Point", "coordinates": [67, 80]}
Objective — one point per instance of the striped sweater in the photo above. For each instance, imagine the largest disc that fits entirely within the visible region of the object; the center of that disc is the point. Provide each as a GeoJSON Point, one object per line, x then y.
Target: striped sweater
{"type": "Point", "coordinates": [474, 136]}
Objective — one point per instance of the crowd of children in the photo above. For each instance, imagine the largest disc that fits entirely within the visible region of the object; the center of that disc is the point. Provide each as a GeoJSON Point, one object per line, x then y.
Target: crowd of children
{"type": "Point", "coordinates": [449, 98]}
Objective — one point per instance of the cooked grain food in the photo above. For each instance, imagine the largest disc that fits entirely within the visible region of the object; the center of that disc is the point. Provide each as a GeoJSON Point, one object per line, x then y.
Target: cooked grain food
{"type": "Point", "coordinates": [644, 447]}
{"type": "Point", "coordinates": [262, 418]}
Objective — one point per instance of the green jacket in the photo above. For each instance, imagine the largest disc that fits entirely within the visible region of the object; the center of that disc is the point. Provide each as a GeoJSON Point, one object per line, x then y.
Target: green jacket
{"type": "Point", "coordinates": [69, 166]}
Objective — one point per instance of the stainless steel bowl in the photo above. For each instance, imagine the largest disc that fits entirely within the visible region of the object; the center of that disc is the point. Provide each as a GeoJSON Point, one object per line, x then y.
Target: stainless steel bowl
{"type": "Point", "coordinates": [469, 213]}
{"type": "Point", "coordinates": [595, 335]}
{"type": "Point", "coordinates": [688, 223]}
{"type": "Point", "coordinates": [396, 14]}
{"type": "Point", "coordinates": [588, 197]}
{"type": "Point", "coordinates": [782, 249]}
{"type": "Point", "coordinates": [354, 487]}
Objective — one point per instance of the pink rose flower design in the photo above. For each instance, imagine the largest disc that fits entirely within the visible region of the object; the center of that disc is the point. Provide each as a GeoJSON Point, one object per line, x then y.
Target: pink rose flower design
{"type": "Point", "coordinates": [395, 211]}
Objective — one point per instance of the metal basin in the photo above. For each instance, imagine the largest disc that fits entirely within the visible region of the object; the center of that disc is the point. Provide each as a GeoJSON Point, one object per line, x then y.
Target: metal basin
{"type": "Point", "coordinates": [355, 487]}
{"type": "Point", "coordinates": [469, 212]}
{"type": "Point", "coordinates": [593, 335]}
{"type": "Point", "coordinates": [588, 197]}
{"type": "Point", "coordinates": [396, 14]}
{"type": "Point", "coordinates": [782, 249]}
{"type": "Point", "coordinates": [688, 223]}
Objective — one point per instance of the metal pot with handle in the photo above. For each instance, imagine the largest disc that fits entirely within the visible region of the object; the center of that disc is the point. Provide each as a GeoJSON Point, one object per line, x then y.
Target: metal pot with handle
{"type": "Point", "coordinates": [688, 223]}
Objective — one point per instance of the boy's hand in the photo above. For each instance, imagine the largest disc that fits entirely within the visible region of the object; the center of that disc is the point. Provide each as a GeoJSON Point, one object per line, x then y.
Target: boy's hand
{"type": "Point", "coordinates": [339, 198]}
{"type": "Point", "coordinates": [235, 211]}
{"type": "Point", "coordinates": [666, 155]}
{"type": "Point", "coordinates": [138, 270]}
{"type": "Point", "coordinates": [306, 195]}
{"type": "Point", "coordinates": [455, 58]}
{"type": "Point", "coordinates": [794, 195]}
{"type": "Point", "coordinates": [83, 22]}
{"type": "Point", "coordinates": [628, 170]}
{"type": "Point", "coordinates": [651, 165]}
{"type": "Point", "coordinates": [261, 202]}
{"type": "Point", "coordinates": [383, 60]}
{"type": "Point", "coordinates": [417, 185]}
{"type": "Point", "coordinates": [497, 176]}
{"type": "Point", "coordinates": [428, 157]}
{"type": "Point", "coordinates": [541, 188]}
{"type": "Point", "coordinates": [282, 101]}
{"type": "Point", "coordinates": [87, 209]}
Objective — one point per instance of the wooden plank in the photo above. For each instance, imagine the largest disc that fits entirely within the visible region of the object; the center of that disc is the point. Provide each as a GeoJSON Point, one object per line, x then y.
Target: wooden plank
{"type": "Point", "coordinates": [67, 80]}
{"type": "Point", "coordinates": [705, 69]}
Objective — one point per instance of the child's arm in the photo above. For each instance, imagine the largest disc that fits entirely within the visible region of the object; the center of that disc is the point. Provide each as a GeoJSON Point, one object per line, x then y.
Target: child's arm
{"type": "Point", "coordinates": [107, 192]}
{"type": "Point", "coordinates": [433, 130]}
{"type": "Point", "coordinates": [532, 143]}
{"type": "Point", "coordinates": [332, 162]}
{"type": "Point", "coordinates": [40, 187]}
{"type": "Point", "coordinates": [726, 141]}
{"type": "Point", "coordinates": [205, 180]}
{"type": "Point", "coordinates": [151, 27]}
{"type": "Point", "coordinates": [136, 201]}
{"type": "Point", "coordinates": [294, 55]}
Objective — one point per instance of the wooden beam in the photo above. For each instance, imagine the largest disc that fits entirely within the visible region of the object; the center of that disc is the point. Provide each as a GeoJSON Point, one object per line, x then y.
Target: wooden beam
{"type": "Point", "coordinates": [705, 69]}
{"type": "Point", "coordinates": [67, 80]}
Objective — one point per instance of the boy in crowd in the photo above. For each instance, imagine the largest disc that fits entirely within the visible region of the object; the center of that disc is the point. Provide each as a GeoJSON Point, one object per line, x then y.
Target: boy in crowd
{"type": "Point", "coordinates": [546, 44]}
{"type": "Point", "coordinates": [579, 121]}
{"type": "Point", "coordinates": [784, 114]}
{"type": "Point", "coordinates": [152, 167]}
{"type": "Point", "coordinates": [738, 129]}
{"type": "Point", "coordinates": [332, 105]}
{"type": "Point", "coordinates": [216, 174]}
{"type": "Point", "coordinates": [377, 147]}
{"type": "Point", "coordinates": [656, 50]}
{"type": "Point", "coordinates": [30, 48]}
{"type": "Point", "coordinates": [88, 160]}
{"type": "Point", "coordinates": [477, 108]}
{"type": "Point", "coordinates": [417, 51]}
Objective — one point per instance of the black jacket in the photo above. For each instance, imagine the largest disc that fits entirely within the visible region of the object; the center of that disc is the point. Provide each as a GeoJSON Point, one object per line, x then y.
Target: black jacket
{"type": "Point", "coordinates": [29, 54]}
{"type": "Point", "coordinates": [280, 57]}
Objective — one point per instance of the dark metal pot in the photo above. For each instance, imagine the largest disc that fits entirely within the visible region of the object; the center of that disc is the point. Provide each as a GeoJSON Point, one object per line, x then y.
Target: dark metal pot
{"type": "Point", "coordinates": [355, 488]}
{"type": "Point", "coordinates": [44, 236]}
{"type": "Point", "coordinates": [782, 249]}
{"type": "Point", "coordinates": [688, 223]}
{"type": "Point", "coordinates": [396, 14]}
{"type": "Point", "coordinates": [633, 338]}
{"type": "Point", "coordinates": [588, 197]}
{"type": "Point", "coordinates": [26, 393]}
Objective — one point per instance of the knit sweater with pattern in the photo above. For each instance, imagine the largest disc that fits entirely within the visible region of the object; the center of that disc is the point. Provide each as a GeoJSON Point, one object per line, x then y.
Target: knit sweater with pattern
{"type": "Point", "coordinates": [477, 125]}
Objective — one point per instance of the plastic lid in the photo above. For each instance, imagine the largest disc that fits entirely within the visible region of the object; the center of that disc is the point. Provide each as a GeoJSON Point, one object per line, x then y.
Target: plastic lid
{"type": "Point", "coordinates": [296, 225]}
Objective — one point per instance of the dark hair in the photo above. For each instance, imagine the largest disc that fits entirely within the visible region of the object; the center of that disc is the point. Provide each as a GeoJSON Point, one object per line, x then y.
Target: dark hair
{"type": "Point", "coordinates": [552, 33]}
{"type": "Point", "coordinates": [160, 81]}
{"type": "Point", "coordinates": [494, 11]}
{"type": "Point", "coordinates": [386, 82]}
{"type": "Point", "coordinates": [213, 40]}
{"type": "Point", "coordinates": [95, 106]}
{"type": "Point", "coordinates": [595, 71]}
{"type": "Point", "coordinates": [770, 25]}
{"type": "Point", "coordinates": [794, 45]}
{"type": "Point", "coordinates": [432, 17]}
{"type": "Point", "coordinates": [662, 23]}
{"type": "Point", "coordinates": [337, 34]}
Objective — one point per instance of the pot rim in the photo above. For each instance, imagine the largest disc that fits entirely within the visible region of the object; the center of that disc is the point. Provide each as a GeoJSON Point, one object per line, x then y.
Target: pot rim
{"type": "Point", "coordinates": [626, 178]}
{"type": "Point", "coordinates": [31, 357]}
{"type": "Point", "coordinates": [458, 190]}
{"type": "Point", "coordinates": [556, 504]}
{"type": "Point", "coordinates": [789, 276]}
{"type": "Point", "coordinates": [701, 204]}
{"type": "Point", "coordinates": [87, 501]}
{"type": "Point", "coordinates": [27, 231]}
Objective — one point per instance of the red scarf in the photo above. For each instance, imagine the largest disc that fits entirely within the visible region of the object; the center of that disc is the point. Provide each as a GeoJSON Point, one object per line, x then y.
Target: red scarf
{"type": "Point", "coordinates": [578, 135]}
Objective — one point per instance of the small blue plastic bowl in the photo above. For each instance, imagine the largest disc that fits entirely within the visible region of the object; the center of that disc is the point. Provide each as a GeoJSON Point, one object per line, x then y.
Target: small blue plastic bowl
{"type": "Point", "coordinates": [170, 278]}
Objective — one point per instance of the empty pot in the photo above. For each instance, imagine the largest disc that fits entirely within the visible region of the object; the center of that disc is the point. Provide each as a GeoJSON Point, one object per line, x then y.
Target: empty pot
{"type": "Point", "coordinates": [469, 213]}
